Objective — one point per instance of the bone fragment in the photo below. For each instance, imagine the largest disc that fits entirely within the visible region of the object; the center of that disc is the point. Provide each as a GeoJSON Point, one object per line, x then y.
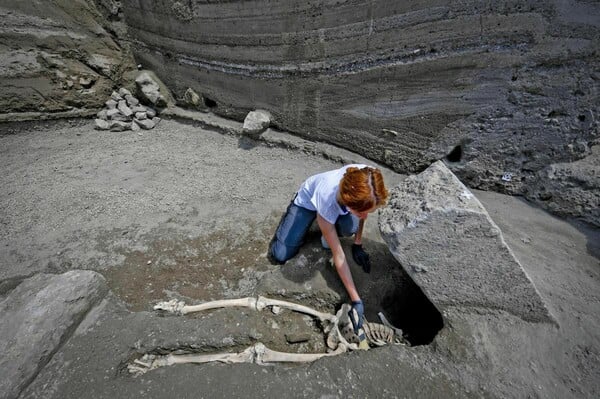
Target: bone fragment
{"type": "Point", "coordinates": [385, 322]}
{"type": "Point", "coordinates": [276, 309]}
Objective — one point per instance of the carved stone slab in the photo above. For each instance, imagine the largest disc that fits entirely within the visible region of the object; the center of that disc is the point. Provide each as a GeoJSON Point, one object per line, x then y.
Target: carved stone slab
{"type": "Point", "coordinates": [449, 245]}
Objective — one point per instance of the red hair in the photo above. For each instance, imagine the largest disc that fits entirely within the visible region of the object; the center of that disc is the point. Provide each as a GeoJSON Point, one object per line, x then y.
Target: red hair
{"type": "Point", "coordinates": [363, 189]}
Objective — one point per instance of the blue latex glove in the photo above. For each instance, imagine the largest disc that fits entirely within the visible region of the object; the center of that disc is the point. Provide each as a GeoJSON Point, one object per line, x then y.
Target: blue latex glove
{"type": "Point", "coordinates": [356, 315]}
{"type": "Point", "coordinates": [361, 257]}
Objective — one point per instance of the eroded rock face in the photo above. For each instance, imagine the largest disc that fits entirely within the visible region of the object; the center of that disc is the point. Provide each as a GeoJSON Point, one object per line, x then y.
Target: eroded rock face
{"type": "Point", "coordinates": [37, 317]}
{"type": "Point", "coordinates": [445, 239]}
{"type": "Point", "coordinates": [511, 85]}
{"type": "Point", "coordinates": [57, 59]}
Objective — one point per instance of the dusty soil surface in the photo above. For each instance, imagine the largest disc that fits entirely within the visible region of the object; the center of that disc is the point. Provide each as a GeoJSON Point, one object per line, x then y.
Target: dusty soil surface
{"type": "Point", "coordinates": [183, 212]}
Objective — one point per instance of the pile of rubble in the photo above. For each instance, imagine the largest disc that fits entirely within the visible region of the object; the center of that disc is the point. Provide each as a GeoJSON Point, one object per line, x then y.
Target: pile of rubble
{"type": "Point", "coordinates": [125, 112]}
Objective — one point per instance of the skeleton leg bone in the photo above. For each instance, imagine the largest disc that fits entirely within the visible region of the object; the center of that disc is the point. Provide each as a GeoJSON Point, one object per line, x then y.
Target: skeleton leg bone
{"type": "Point", "coordinates": [258, 353]}
{"type": "Point", "coordinates": [263, 302]}
{"type": "Point", "coordinates": [266, 355]}
{"type": "Point", "coordinates": [174, 306]}
{"type": "Point", "coordinates": [179, 307]}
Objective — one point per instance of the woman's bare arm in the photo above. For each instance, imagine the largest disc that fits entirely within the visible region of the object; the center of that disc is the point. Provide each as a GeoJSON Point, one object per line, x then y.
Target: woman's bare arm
{"type": "Point", "coordinates": [339, 258]}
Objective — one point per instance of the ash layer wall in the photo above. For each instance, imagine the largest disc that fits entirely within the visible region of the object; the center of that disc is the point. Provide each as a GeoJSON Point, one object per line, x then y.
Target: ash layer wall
{"type": "Point", "coordinates": [508, 88]}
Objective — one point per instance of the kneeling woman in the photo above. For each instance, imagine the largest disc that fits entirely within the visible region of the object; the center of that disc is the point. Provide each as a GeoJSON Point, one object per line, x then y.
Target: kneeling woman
{"type": "Point", "coordinates": [340, 200]}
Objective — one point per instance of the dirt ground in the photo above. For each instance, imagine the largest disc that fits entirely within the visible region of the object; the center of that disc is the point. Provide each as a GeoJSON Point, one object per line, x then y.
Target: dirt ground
{"type": "Point", "coordinates": [184, 212]}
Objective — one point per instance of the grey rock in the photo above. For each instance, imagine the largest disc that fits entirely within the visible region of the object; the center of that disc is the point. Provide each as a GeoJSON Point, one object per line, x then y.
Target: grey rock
{"type": "Point", "coordinates": [146, 124]}
{"type": "Point", "coordinates": [449, 245]}
{"type": "Point", "coordinates": [103, 114]}
{"type": "Point", "coordinates": [119, 126]}
{"type": "Point", "coordinates": [111, 104]}
{"type": "Point", "coordinates": [256, 122]}
{"type": "Point", "coordinates": [101, 124]}
{"type": "Point", "coordinates": [141, 115]}
{"type": "Point", "coordinates": [110, 114]}
{"type": "Point", "coordinates": [36, 317]}
{"type": "Point", "coordinates": [131, 100]}
{"type": "Point", "coordinates": [149, 89]}
{"type": "Point", "coordinates": [121, 117]}
{"type": "Point", "coordinates": [123, 92]}
{"type": "Point", "coordinates": [193, 99]}
{"type": "Point", "coordinates": [150, 112]}
{"type": "Point", "coordinates": [295, 338]}
{"type": "Point", "coordinates": [115, 96]}
{"type": "Point", "coordinates": [134, 126]}
{"type": "Point", "coordinates": [125, 110]}
{"type": "Point", "coordinates": [138, 108]}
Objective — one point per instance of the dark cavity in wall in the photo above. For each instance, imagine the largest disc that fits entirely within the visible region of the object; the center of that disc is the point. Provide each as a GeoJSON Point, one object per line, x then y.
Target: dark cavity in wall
{"type": "Point", "coordinates": [455, 155]}
{"type": "Point", "coordinates": [209, 102]}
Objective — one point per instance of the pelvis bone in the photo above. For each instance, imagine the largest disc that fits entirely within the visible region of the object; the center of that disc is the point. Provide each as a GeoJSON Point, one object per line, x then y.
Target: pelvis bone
{"type": "Point", "coordinates": [340, 335]}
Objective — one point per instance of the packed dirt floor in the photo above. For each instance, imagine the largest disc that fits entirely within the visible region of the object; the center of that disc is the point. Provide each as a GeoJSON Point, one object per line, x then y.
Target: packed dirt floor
{"type": "Point", "coordinates": [184, 212]}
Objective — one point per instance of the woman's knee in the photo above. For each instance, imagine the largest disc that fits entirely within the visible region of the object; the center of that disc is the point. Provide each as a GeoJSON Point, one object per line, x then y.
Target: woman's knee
{"type": "Point", "coordinates": [280, 252]}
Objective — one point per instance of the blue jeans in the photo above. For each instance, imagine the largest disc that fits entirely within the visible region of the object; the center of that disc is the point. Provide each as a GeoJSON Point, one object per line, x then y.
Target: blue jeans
{"type": "Point", "coordinates": [293, 226]}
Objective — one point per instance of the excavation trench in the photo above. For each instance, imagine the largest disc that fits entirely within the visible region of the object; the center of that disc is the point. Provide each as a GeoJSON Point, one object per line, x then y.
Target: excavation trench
{"type": "Point", "coordinates": [227, 264]}
{"type": "Point", "coordinates": [213, 246]}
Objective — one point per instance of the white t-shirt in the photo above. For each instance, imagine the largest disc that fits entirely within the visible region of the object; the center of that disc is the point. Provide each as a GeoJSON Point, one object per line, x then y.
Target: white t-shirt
{"type": "Point", "coordinates": [319, 193]}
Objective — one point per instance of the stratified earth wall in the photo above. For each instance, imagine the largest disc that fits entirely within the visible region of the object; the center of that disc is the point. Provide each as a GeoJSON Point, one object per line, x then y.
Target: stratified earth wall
{"type": "Point", "coordinates": [503, 88]}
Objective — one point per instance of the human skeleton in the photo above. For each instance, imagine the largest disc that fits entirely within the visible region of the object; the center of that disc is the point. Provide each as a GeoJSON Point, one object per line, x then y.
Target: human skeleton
{"type": "Point", "coordinates": [340, 335]}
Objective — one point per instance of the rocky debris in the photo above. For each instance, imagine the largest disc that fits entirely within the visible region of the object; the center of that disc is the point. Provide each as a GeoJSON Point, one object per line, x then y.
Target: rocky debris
{"type": "Point", "coordinates": [193, 99]}
{"type": "Point", "coordinates": [149, 90]}
{"type": "Point", "coordinates": [124, 112]}
{"type": "Point", "coordinates": [37, 317]}
{"type": "Point", "coordinates": [182, 12]}
{"type": "Point", "coordinates": [449, 245]}
{"type": "Point", "coordinates": [571, 189]}
{"type": "Point", "coordinates": [256, 122]}
{"type": "Point", "coordinates": [56, 60]}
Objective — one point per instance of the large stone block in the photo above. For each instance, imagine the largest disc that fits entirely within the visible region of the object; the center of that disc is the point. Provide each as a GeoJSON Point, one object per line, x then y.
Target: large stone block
{"type": "Point", "coordinates": [37, 317]}
{"type": "Point", "coordinates": [449, 245]}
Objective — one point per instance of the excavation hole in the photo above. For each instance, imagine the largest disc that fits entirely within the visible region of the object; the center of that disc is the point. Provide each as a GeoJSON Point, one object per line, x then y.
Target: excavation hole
{"type": "Point", "coordinates": [455, 155]}
{"type": "Point", "coordinates": [387, 288]}
{"type": "Point", "coordinates": [392, 292]}
{"type": "Point", "coordinates": [209, 102]}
